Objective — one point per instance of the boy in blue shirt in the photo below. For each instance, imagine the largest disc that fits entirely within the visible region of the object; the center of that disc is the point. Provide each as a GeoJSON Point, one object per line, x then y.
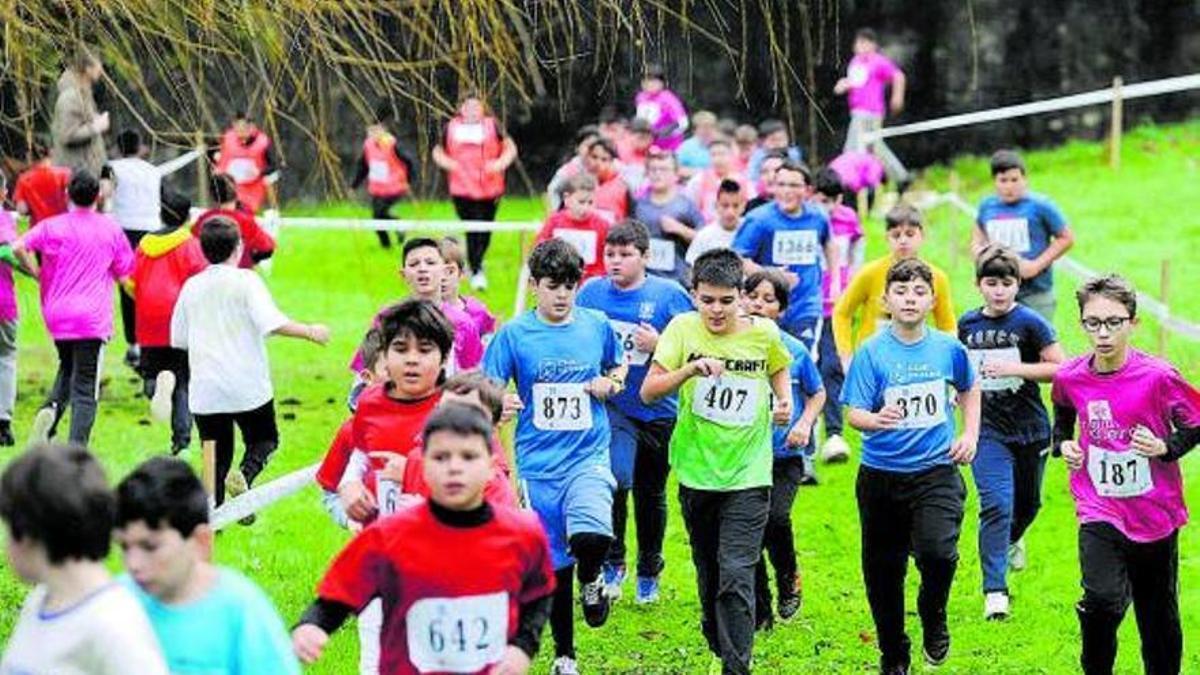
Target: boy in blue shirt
{"type": "Point", "coordinates": [638, 307]}
{"type": "Point", "coordinates": [765, 294]}
{"type": "Point", "coordinates": [566, 362]}
{"type": "Point", "coordinates": [910, 493]}
{"type": "Point", "coordinates": [792, 235]}
{"type": "Point", "coordinates": [1013, 349]}
{"type": "Point", "coordinates": [1029, 224]}
{"type": "Point", "coordinates": [207, 618]}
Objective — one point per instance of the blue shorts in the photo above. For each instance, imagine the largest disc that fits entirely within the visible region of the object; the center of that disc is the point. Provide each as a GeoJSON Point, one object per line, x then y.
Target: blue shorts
{"type": "Point", "coordinates": [577, 503]}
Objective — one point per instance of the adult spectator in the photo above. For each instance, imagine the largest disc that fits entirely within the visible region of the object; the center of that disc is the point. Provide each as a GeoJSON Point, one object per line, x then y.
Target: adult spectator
{"type": "Point", "coordinates": [78, 128]}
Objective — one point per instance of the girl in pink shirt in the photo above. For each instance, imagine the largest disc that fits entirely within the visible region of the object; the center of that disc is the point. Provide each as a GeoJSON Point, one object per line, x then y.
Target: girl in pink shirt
{"type": "Point", "coordinates": [662, 109]}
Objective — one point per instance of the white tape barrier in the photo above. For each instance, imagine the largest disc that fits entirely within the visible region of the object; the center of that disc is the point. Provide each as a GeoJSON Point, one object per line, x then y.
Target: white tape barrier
{"type": "Point", "coordinates": [262, 496]}
{"type": "Point", "coordinates": [1101, 96]}
{"type": "Point", "coordinates": [442, 226]}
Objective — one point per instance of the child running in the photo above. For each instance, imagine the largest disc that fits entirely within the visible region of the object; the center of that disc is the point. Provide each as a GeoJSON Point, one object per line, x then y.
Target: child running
{"type": "Point", "coordinates": [910, 493]}
{"type": "Point", "coordinates": [566, 362]}
{"type": "Point", "coordinates": [456, 273]}
{"type": "Point", "coordinates": [8, 321]}
{"type": "Point", "coordinates": [731, 202]}
{"type": "Point", "coordinates": [578, 224]}
{"type": "Point", "coordinates": [1013, 349]}
{"type": "Point", "coordinates": [1137, 416]}
{"type": "Point", "coordinates": [725, 368]}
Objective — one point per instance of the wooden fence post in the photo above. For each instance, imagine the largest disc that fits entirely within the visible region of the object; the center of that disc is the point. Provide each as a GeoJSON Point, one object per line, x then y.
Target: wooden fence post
{"type": "Point", "coordinates": [208, 467]}
{"type": "Point", "coordinates": [201, 169]}
{"type": "Point", "coordinates": [1114, 133]}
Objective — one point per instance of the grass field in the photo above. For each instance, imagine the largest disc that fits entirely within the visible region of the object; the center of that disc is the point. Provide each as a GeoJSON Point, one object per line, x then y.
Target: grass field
{"type": "Point", "coordinates": [1126, 221]}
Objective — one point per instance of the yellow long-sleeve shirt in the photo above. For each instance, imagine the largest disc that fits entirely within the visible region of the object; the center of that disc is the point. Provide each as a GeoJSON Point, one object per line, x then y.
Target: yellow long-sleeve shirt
{"type": "Point", "coordinates": [863, 300]}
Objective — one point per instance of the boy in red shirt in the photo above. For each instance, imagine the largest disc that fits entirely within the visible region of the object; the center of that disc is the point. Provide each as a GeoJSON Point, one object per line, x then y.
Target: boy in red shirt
{"type": "Point", "coordinates": [257, 243]}
{"type": "Point", "coordinates": [41, 191]}
{"type": "Point", "coordinates": [163, 261]}
{"type": "Point", "coordinates": [454, 565]}
{"type": "Point", "coordinates": [578, 224]}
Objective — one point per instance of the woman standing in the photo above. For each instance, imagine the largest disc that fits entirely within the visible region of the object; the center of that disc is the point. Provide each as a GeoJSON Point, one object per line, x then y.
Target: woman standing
{"type": "Point", "coordinates": [475, 153]}
{"type": "Point", "coordinates": [78, 127]}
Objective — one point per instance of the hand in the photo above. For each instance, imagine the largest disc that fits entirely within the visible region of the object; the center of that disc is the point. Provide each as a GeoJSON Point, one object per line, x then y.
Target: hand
{"type": "Point", "coordinates": [318, 333]}
{"type": "Point", "coordinates": [308, 641]}
{"type": "Point", "coordinates": [101, 123]}
{"type": "Point", "coordinates": [512, 406]}
{"type": "Point", "coordinates": [602, 387]}
{"type": "Point", "coordinates": [357, 502]}
{"type": "Point", "coordinates": [1145, 443]}
{"type": "Point", "coordinates": [1072, 454]}
{"type": "Point", "coordinates": [781, 412]}
{"type": "Point", "coordinates": [799, 435]}
{"type": "Point", "coordinates": [671, 225]}
{"type": "Point", "coordinates": [494, 166]}
{"type": "Point", "coordinates": [708, 367]}
{"type": "Point", "coordinates": [888, 417]}
{"type": "Point", "coordinates": [393, 470]}
{"type": "Point", "coordinates": [793, 279]}
{"type": "Point", "coordinates": [995, 368]}
{"type": "Point", "coordinates": [514, 662]}
{"type": "Point", "coordinates": [962, 450]}
{"type": "Point", "coordinates": [645, 338]}
{"type": "Point", "coordinates": [1028, 269]}
{"type": "Point", "coordinates": [841, 86]}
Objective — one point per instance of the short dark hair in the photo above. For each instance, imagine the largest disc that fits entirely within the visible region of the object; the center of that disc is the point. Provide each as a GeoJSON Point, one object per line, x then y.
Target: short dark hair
{"type": "Point", "coordinates": [829, 183]}
{"type": "Point", "coordinates": [659, 155]}
{"type": "Point", "coordinates": [720, 267]}
{"type": "Point", "coordinates": [490, 393]}
{"type": "Point", "coordinates": [557, 261]}
{"type": "Point", "coordinates": [654, 71]}
{"type": "Point", "coordinates": [163, 492]}
{"type": "Point", "coordinates": [222, 188]}
{"type": "Point", "coordinates": [1005, 160]}
{"type": "Point", "coordinates": [721, 140]}
{"type": "Point", "coordinates": [609, 114]}
{"type": "Point", "coordinates": [84, 188]}
{"type": "Point", "coordinates": [609, 147]}
{"type": "Point", "coordinates": [383, 113]}
{"type": "Point", "coordinates": [901, 215]}
{"type": "Point", "coordinates": [867, 34]}
{"type": "Point", "coordinates": [585, 132]}
{"type": "Point", "coordinates": [629, 232]}
{"type": "Point", "coordinates": [38, 151]}
{"type": "Point", "coordinates": [372, 348]}
{"type": "Point", "coordinates": [639, 125]}
{"type": "Point", "coordinates": [1111, 286]}
{"type": "Point", "coordinates": [729, 186]}
{"type": "Point", "coordinates": [909, 269]}
{"type": "Point", "coordinates": [458, 418]}
{"type": "Point", "coordinates": [129, 142]}
{"type": "Point", "coordinates": [420, 319]}
{"type": "Point", "coordinates": [175, 208]}
{"type": "Point", "coordinates": [57, 495]}
{"type": "Point", "coordinates": [419, 242]}
{"type": "Point", "coordinates": [580, 182]}
{"type": "Point", "coordinates": [219, 237]}
{"type": "Point", "coordinates": [771, 126]}
{"type": "Point", "coordinates": [779, 284]}
{"type": "Point", "coordinates": [997, 261]}
{"type": "Point", "coordinates": [798, 167]}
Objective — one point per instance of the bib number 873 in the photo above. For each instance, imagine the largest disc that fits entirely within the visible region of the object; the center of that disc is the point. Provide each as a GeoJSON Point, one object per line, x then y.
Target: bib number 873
{"type": "Point", "coordinates": [562, 408]}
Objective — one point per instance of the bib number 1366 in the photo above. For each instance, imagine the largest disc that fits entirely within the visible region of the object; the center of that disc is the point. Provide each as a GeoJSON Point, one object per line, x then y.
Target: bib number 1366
{"type": "Point", "coordinates": [457, 635]}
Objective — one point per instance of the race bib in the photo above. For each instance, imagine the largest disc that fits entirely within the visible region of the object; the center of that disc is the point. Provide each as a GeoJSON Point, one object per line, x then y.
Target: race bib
{"type": "Point", "coordinates": [583, 241]}
{"type": "Point", "coordinates": [1007, 355]}
{"type": "Point", "coordinates": [561, 406]}
{"type": "Point", "coordinates": [457, 635]}
{"type": "Point", "coordinates": [728, 400]}
{"type": "Point", "coordinates": [922, 405]}
{"type": "Point", "coordinates": [377, 171]}
{"type": "Point", "coordinates": [625, 331]}
{"type": "Point", "coordinates": [662, 255]}
{"type": "Point", "coordinates": [1119, 474]}
{"type": "Point", "coordinates": [242, 170]}
{"type": "Point", "coordinates": [795, 247]}
{"type": "Point", "coordinates": [468, 134]}
{"type": "Point", "coordinates": [1011, 232]}
{"type": "Point", "coordinates": [649, 111]}
{"type": "Point", "coordinates": [857, 75]}
{"type": "Point", "coordinates": [387, 492]}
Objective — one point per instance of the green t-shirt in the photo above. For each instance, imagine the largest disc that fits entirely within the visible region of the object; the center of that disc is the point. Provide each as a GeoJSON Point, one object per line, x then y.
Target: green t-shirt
{"type": "Point", "coordinates": [722, 440]}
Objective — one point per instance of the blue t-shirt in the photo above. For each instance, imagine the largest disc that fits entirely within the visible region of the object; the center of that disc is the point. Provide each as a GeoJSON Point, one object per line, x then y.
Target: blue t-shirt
{"type": "Point", "coordinates": [772, 238]}
{"type": "Point", "coordinates": [806, 382]}
{"type": "Point", "coordinates": [655, 302]}
{"type": "Point", "coordinates": [666, 251]}
{"type": "Point", "coordinates": [233, 630]}
{"type": "Point", "coordinates": [561, 428]}
{"type": "Point", "coordinates": [917, 378]}
{"type": "Point", "coordinates": [1012, 407]}
{"type": "Point", "coordinates": [693, 154]}
{"type": "Point", "coordinates": [1025, 226]}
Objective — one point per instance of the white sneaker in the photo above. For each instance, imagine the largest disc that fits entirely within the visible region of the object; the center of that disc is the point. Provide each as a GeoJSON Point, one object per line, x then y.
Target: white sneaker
{"type": "Point", "coordinates": [564, 665]}
{"type": "Point", "coordinates": [835, 450]}
{"type": "Point", "coordinates": [1016, 555]}
{"type": "Point", "coordinates": [39, 431]}
{"type": "Point", "coordinates": [478, 282]}
{"type": "Point", "coordinates": [995, 606]}
{"type": "Point", "coordinates": [164, 389]}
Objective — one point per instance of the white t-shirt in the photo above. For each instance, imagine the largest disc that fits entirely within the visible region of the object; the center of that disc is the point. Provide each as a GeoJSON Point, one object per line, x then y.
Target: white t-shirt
{"type": "Point", "coordinates": [136, 198]}
{"type": "Point", "coordinates": [711, 236]}
{"type": "Point", "coordinates": [222, 318]}
{"type": "Point", "coordinates": [106, 633]}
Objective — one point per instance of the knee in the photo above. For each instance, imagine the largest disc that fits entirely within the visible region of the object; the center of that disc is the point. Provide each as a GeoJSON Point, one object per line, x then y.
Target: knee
{"type": "Point", "coordinates": [590, 545]}
{"type": "Point", "coordinates": [1111, 601]}
{"type": "Point", "coordinates": [995, 503]}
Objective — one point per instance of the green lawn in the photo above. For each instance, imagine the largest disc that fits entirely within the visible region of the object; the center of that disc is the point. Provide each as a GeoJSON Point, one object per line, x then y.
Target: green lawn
{"type": "Point", "coordinates": [341, 278]}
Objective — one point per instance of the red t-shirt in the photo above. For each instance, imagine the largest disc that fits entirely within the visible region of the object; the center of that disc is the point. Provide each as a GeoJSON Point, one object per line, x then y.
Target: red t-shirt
{"type": "Point", "coordinates": [498, 491]}
{"type": "Point", "coordinates": [44, 191]}
{"type": "Point", "coordinates": [587, 236]}
{"type": "Point", "coordinates": [452, 594]}
{"type": "Point", "coordinates": [334, 465]}
{"type": "Point", "coordinates": [162, 263]}
{"type": "Point", "coordinates": [389, 426]}
{"type": "Point", "coordinates": [255, 240]}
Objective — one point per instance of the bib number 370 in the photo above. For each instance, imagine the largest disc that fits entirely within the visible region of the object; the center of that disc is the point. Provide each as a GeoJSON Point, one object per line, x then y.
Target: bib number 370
{"type": "Point", "coordinates": [457, 635]}
{"type": "Point", "coordinates": [561, 407]}
{"type": "Point", "coordinates": [1119, 474]}
{"type": "Point", "coordinates": [921, 405]}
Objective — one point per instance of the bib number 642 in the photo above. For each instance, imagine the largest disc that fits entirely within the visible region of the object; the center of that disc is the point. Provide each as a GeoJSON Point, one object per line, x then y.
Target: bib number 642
{"type": "Point", "coordinates": [457, 635]}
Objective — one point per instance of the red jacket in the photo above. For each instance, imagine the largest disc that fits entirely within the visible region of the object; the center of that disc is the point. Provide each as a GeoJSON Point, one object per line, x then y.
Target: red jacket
{"type": "Point", "coordinates": [44, 190]}
{"type": "Point", "coordinates": [587, 236]}
{"type": "Point", "coordinates": [257, 244]}
{"type": "Point", "coordinates": [162, 263]}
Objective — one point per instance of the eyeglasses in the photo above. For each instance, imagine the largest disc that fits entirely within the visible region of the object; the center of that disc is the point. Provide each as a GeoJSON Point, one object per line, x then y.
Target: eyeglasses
{"type": "Point", "coordinates": [1112, 323]}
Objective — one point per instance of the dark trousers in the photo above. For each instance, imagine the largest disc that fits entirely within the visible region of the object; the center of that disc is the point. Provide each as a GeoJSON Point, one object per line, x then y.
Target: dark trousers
{"type": "Point", "coordinates": [832, 376]}
{"type": "Point", "coordinates": [901, 513]}
{"type": "Point", "coordinates": [128, 325]}
{"type": "Point", "coordinates": [77, 383]}
{"type": "Point", "coordinates": [725, 530]}
{"type": "Point", "coordinates": [259, 434]}
{"type": "Point", "coordinates": [778, 539]}
{"type": "Point", "coordinates": [650, 470]}
{"type": "Point", "coordinates": [1117, 571]}
{"type": "Point", "coordinates": [477, 242]}
{"type": "Point", "coordinates": [157, 359]}
{"type": "Point", "coordinates": [381, 209]}
{"type": "Point", "coordinates": [1008, 477]}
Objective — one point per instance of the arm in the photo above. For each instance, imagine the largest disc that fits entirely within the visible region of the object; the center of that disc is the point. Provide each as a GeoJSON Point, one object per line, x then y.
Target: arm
{"type": "Point", "coordinates": [801, 432]}
{"type": "Point", "coordinates": [1044, 371]}
{"type": "Point", "coordinates": [26, 257]}
{"type": "Point", "coordinates": [831, 264]}
{"type": "Point", "coordinates": [843, 315]}
{"type": "Point", "coordinates": [314, 332]}
{"type": "Point", "coordinates": [72, 127]}
{"type": "Point", "coordinates": [661, 383]}
{"type": "Point", "coordinates": [443, 160]}
{"type": "Point", "coordinates": [360, 174]}
{"type": "Point", "coordinates": [943, 304]}
{"type": "Point", "coordinates": [962, 450]}
{"type": "Point", "coordinates": [508, 155]}
{"type": "Point", "coordinates": [1059, 245]}
{"type": "Point", "coordinates": [531, 619]}
{"type": "Point", "coordinates": [312, 632]}
{"type": "Point", "coordinates": [899, 84]}
{"type": "Point", "coordinates": [865, 420]}
{"type": "Point", "coordinates": [10, 258]}
{"type": "Point", "coordinates": [1062, 443]}
{"type": "Point", "coordinates": [781, 386]}
{"type": "Point", "coordinates": [979, 239]}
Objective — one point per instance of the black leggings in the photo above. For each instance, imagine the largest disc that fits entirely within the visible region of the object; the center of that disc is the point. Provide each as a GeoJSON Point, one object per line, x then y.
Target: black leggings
{"type": "Point", "coordinates": [381, 209]}
{"type": "Point", "coordinates": [259, 433]}
{"type": "Point", "coordinates": [477, 242]}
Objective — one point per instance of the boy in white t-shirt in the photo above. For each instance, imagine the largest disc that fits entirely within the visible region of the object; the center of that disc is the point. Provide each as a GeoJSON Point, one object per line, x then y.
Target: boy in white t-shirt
{"type": "Point", "coordinates": [731, 202]}
{"type": "Point", "coordinates": [76, 619]}
{"type": "Point", "coordinates": [222, 318]}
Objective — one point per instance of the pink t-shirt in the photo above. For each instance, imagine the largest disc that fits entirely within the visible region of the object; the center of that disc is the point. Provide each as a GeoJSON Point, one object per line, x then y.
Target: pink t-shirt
{"type": "Point", "coordinates": [858, 170]}
{"type": "Point", "coordinates": [468, 346]}
{"type": "Point", "coordinates": [485, 321]}
{"type": "Point", "coordinates": [8, 292]}
{"type": "Point", "coordinates": [868, 75]}
{"type": "Point", "coordinates": [843, 223]}
{"type": "Point", "coordinates": [83, 254]}
{"type": "Point", "coordinates": [662, 109]}
{"type": "Point", "coordinates": [1141, 497]}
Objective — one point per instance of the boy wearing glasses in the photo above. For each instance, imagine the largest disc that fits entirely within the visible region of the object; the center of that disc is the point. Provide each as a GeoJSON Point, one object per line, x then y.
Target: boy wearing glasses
{"type": "Point", "coordinates": [1137, 417]}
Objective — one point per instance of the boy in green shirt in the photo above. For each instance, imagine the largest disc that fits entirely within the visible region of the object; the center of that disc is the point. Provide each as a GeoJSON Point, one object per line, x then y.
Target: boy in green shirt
{"type": "Point", "coordinates": [725, 368]}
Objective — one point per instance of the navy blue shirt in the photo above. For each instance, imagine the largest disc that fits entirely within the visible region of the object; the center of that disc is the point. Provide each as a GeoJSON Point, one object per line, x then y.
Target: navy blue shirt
{"type": "Point", "coordinates": [1025, 226]}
